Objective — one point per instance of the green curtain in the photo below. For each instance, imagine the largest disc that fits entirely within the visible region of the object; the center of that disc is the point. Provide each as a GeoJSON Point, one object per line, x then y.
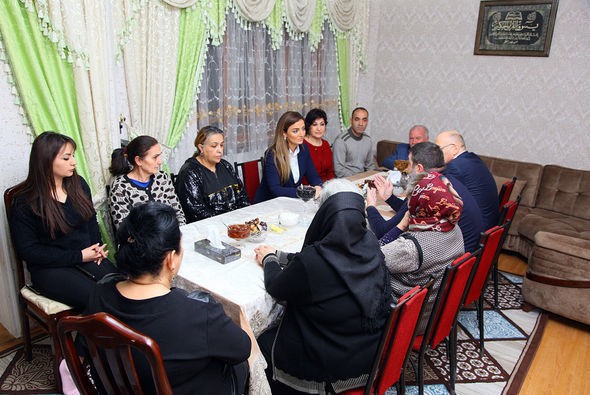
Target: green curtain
{"type": "Point", "coordinates": [192, 47]}
{"type": "Point", "coordinates": [45, 82]}
{"type": "Point", "coordinates": [343, 51]}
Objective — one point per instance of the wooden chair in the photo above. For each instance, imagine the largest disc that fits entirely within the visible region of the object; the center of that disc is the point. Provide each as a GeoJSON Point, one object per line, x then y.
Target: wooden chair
{"type": "Point", "coordinates": [507, 213]}
{"type": "Point", "coordinates": [505, 192]}
{"type": "Point", "coordinates": [490, 249]}
{"type": "Point", "coordinates": [250, 175]}
{"type": "Point", "coordinates": [394, 348]}
{"type": "Point", "coordinates": [442, 324]}
{"type": "Point", "coordinates": [45, 311]}
{"type": "Point", "coordinates": [109, 343]}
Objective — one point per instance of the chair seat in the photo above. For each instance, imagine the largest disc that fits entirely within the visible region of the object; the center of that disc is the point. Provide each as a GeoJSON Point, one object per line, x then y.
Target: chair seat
{"type": "Point", "coordinates": [48, 306]}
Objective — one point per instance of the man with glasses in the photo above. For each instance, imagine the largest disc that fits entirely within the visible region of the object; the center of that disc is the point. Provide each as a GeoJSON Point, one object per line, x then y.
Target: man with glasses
{"type": "Point", "coordinates": [468, 168]}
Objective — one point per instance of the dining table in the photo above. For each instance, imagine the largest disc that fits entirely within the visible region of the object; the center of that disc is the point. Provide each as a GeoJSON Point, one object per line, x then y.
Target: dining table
{"type": "Point", "coordinates": [239, 285]}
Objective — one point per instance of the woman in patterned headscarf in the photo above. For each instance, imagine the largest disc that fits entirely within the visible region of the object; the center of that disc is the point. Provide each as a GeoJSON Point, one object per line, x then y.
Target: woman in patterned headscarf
{"type": "Point", "coordinates": [430, 241]}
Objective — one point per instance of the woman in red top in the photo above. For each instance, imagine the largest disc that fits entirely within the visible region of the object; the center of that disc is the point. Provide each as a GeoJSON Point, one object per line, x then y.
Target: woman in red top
{"type": "Point", "coordinates": [319, 149]}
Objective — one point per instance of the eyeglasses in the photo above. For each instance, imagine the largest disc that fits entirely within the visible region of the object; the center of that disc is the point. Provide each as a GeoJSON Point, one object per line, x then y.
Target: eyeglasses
{"type": "Point", "coordinates": [445, 146]}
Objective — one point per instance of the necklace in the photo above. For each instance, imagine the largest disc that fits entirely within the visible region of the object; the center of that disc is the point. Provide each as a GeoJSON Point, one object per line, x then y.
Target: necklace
{"type": "Point", "coordinates": [142, 283]}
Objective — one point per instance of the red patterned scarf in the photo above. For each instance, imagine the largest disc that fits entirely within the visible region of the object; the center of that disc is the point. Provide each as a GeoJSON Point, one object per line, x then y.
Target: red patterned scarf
{"type": "Point", "coordinates": [434, 204]}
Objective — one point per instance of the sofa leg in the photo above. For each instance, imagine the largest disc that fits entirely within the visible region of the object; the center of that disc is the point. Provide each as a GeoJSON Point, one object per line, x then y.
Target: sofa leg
{"type": "Point", "coordinates": [526, 307]}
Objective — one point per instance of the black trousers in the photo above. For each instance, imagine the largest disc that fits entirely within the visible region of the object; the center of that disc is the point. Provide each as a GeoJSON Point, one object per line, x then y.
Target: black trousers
{"type": "Point", "coordinates": [71, 285]}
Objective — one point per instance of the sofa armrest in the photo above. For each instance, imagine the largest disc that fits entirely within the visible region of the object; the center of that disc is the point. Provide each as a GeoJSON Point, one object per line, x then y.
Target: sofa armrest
{"type": "Point", "coordinates": [565, 244]}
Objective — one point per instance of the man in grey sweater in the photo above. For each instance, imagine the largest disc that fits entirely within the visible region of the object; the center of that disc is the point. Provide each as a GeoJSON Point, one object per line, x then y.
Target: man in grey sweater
{"type": "Point", "coordinates": [353, 149]}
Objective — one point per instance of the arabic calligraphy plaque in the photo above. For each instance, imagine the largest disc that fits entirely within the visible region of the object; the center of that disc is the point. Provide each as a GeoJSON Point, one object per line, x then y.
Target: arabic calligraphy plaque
{"type": "Point", "coordinates": [522, 28]}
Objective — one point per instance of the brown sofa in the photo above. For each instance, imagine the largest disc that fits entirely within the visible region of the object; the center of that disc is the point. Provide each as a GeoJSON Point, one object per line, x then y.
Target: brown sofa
{"type": "Point", "coordinates": [551, 230]}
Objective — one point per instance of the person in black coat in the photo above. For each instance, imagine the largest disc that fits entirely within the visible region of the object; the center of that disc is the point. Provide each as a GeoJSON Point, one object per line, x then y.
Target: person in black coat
{"type": "Point", "coordinates": [337, 296]}
{"type": "Point", "coordinates": [204, 351]}
{"type": "Point", "coordinates": [207, 185]}
{"type": "Point", "coordinates": [54, 227]}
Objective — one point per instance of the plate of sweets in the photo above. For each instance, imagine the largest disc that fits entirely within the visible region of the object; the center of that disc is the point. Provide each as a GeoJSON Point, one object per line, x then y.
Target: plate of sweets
{"type": "Point", "coordinates": [258, 230]}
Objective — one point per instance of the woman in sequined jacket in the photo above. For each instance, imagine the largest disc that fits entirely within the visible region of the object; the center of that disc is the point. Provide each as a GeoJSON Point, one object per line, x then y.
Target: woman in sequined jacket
{"type": "Point", "coordinates": [207, 185]}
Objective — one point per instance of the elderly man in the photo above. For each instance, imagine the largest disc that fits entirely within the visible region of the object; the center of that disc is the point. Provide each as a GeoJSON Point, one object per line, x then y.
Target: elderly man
{"type": "Point", "coordinates": [424, 157]}
{"type": "Point", "coordinates": [418, 134]}
{"type": "Point", "coordinates": [468, 168]}
{"type": "Point", "coordinates": [353, 149]}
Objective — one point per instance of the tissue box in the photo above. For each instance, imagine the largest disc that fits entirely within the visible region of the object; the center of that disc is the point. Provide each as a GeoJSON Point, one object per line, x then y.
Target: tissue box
{"type": "Point", "coordinates": [221, 255]}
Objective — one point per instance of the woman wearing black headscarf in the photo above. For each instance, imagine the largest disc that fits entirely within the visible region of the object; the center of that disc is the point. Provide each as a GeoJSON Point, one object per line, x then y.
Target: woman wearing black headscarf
{"type": "Point", "coordinates": [337, 293]}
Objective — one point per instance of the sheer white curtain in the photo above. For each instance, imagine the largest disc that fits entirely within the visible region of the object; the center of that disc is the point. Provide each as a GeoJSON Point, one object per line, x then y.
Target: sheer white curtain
{"type": "Point", "coordinates": [246, 86]}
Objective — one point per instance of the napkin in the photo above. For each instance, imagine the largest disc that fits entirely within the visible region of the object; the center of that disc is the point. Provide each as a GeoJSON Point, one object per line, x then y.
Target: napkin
{"type": "Point", "coordinates": [213, 236]}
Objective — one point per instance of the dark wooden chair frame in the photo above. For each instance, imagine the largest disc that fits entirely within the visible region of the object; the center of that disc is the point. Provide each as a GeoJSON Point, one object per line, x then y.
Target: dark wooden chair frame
{"type": "Point", "coordinates": [109, 343]}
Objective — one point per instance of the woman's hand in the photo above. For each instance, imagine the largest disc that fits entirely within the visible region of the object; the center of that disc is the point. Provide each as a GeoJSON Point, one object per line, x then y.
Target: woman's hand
{"type": "Point", "coordinates": [318, 191]}
{"type": "Point", "coordinates": [263, 251]}
{"type": "Point", "coordinates": [95, 253]}
{"type": "Point", "coordinates": [371, 197]}
{"type": "Point", "coordinates": [384, 187]}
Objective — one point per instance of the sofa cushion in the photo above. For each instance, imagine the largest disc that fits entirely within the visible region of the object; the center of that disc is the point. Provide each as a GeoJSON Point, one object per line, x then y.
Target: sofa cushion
{"type": "Point", "coordinates": [550, 221]}
{"type": "Point", "coordinates": [518, 186]}
{"type": "Point", "coordinates": [565, 191]}
{"type": "Point", "coordinates": [524, 171]}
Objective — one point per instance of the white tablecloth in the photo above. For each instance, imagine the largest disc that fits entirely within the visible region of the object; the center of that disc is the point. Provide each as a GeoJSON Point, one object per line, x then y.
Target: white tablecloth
{"type": "Point", "coordinates": [239, 285]}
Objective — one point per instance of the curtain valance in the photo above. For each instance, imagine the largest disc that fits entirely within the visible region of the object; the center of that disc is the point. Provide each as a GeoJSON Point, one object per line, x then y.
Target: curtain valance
{"type": "Point", "coordinates": [64, 22]}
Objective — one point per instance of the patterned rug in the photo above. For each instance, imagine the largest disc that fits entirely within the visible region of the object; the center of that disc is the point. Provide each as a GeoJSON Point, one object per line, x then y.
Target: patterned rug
{"type": "Point", "coordinates": [511, 339]}
{"type": "Point", "coordinates": [23, 377]}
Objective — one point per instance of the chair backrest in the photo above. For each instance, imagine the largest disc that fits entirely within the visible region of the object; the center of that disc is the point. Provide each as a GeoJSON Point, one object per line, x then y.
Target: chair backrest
{"type": "Point", "coordinates": [490, 249]}
{"type": "Point", "coordinates": [505, 192]}
{"type": "Point", "coordinates": [508, 211]}
{"type": "Point", "coordinates": [9, 196]}
{"type": "Point", "coordinates": [250, 176]}
{"type": "Point", "coordinates": [109, 343]}
{"type": "Point", "coordinates": [449, 299]}
{"type": "Point", "coordinates": [395, 346]}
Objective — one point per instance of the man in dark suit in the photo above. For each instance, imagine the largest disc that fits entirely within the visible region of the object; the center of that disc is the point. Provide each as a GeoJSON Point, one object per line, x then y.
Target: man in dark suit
{"type": "Point", "coordinates": [424, 158]}
{"type": "Point", "coordinates": [418, 134]}
{"type": "Point", "coordinates": [468, 168]}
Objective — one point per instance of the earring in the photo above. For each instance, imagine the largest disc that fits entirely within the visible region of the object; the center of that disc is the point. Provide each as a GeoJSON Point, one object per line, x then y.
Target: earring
{"type": "Point", "coordinates": [284, 137]}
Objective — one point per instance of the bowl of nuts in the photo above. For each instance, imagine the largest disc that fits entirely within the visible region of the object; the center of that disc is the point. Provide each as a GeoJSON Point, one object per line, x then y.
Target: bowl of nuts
{"type": "Point", "coordinates": [258, 230]}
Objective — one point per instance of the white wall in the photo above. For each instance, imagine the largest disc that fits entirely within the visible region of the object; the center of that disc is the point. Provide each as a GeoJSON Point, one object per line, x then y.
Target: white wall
{"type": "Point", "coordinates": [422, 70]}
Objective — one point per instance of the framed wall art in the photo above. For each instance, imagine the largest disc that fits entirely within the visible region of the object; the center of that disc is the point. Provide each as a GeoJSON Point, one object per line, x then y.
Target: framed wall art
{"type": "Point", "coordinates": [515, 27]}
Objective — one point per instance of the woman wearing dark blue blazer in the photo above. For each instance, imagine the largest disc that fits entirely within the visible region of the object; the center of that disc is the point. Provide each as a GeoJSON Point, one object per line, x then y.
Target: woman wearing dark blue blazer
{"type": "Point", "coordinates": [287, 161]}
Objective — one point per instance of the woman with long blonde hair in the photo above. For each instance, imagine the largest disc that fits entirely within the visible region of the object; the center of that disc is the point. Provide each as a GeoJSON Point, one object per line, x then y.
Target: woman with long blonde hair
{"type": "Point", "coordinates": [287, 161]}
